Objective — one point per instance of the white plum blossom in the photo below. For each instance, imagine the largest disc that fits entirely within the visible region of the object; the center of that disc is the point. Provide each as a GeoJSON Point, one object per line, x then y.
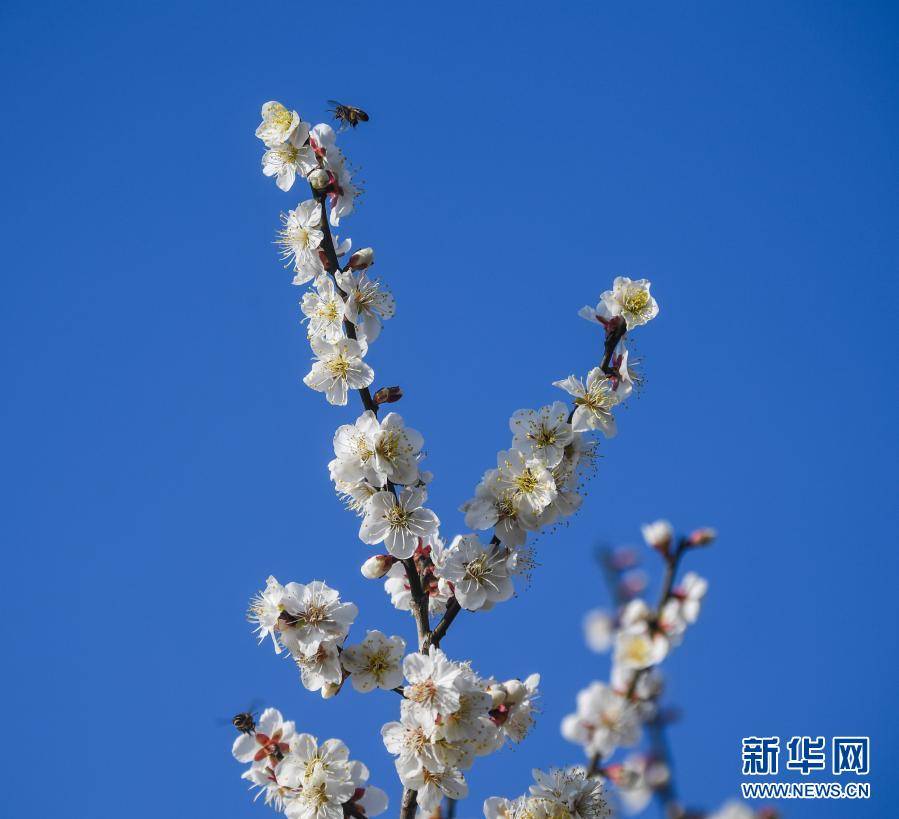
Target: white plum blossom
{"type": "Point", "coordinates": [682, 607]}
{"type": "Point", "coordinates": [498, 506]}
{"type": "Point", "coordinates": [578, 795]}
{"type": "Point", "coordinates": [658, 535]}
{"type": "Point", "coordinates": [269, 741]}
{"type": "Point", "coordinates": [313, 613]}
{"type": "Point", "coordinates": [527, 478]}
{"type": "Point", "coordinates": [265, 609]}
{"type": "Point", "coordinates": [604, 720]}
{"type": "Point", "coordinates": [479, 573]}
{"type": "Point", "coordinates": [324, 309]}
{"type": "Point", "coordinates": [307, 757]}
{"type": "Point", "coordinates": [432, 687]}
{"type": "Point", "coordinates": [376, 662]}
{"type": "Point", "coordinates": [396, 584]}
{"type": "Point", "coordinates": [278, 124]}
{"type": "Point", "coordinates": [398, 521]}
{"type": "Point", "coordinates": [629, 299]}
{"type": "Point", "coordinates": [599, 629]}
{"type": "Point", "coordinates": [638, 644]}
{"type": "Point", "coordinates": [434, 786]}
{"type": "Point", "coordinates": [299, 240]}
{"type": "Point", "coordinates": [542, 433]}
{"type": "Point", "coordinates": [377, 451]}
{"type": "Point", "coordinates": [319, 666]}
{"type": "Point", "coordinates": [593, 402]}
{"type": "Point", "coordinates": [412, 739]}
{"type": "Point", "coordinates": [515, 715]}
{"type": "Point", "coordinates": [367, 302]}
{"type": "Point", "coordinates": [285, 160]}
{"type": "Point", "coordinates": [638, 778]}
{"type": "Point", "coordinates": [339, 368]}
{"type": "Point", "coordinates": [322, 797]}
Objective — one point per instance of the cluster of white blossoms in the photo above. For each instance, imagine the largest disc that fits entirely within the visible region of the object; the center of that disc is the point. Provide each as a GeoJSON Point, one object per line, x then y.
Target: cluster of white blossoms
{"type": "Point", "coordinates": [571, 793]}
{"type": "Point", "coordinates": [448, 717]}
{"type": "Point", "coordinates": [535, 482]}
{"type": "Point", "coordinates": [302, 778]}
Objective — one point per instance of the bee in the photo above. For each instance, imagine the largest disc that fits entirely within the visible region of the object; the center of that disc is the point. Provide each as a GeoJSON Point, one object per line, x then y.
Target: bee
{"type": "Point", "coordinates": [347, 114]}
{"type": "Point", "coordinates": [245, 722]}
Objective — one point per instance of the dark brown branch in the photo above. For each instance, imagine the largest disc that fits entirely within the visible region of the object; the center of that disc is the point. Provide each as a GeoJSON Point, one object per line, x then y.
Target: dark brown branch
{"type": "Point", "coordinates": [452, 609]}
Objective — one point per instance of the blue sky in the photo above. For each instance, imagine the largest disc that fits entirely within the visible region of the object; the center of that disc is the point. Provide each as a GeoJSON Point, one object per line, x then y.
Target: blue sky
{"type": "Point", "coordinates": [162, 455]}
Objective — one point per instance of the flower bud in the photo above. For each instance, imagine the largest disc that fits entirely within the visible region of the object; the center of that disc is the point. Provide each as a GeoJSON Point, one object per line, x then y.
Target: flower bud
{"type": "Point", "coordinates": [377, 566]}
{"type": "Point", "coordinates": [362, 258]}
{"type": "Point", "coordinates": [658, 535]}
{"type": "Point", "coordinates": [388, 395]}
{"type": "Point", "coordinates": [702, 537]}
{"type": "Point", "coordinates": [515, 691]}
{"type": "Point", "coordinates": [498, 694]}
{"type": "Point", "coordinates": [330, 690]}
{"type": "Point", "coordinates": [319, 179]}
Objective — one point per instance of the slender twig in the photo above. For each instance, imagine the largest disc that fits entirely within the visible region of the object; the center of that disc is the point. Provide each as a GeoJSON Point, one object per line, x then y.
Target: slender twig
{"type": "Point", "coordinates": [419, 606]}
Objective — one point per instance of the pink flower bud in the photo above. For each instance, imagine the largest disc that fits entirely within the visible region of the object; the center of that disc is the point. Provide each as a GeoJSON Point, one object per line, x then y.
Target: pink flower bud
{"type": "Point", "coordinates": [362, 258]}
{"type": "Point", "coordinates": [702, 537]}
{"type": "Point", "coordinates": [377, 566]}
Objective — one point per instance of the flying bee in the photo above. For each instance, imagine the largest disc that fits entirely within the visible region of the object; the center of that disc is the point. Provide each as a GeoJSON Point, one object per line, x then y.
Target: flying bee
{"type": "Point", "coordinates": [245, 722]}
{"type": "Point", "coordinates": [347, 114]}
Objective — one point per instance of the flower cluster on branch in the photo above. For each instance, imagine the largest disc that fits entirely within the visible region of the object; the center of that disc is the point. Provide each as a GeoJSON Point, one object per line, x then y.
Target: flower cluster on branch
{"type": "Point", "coordinates": [449, 714]}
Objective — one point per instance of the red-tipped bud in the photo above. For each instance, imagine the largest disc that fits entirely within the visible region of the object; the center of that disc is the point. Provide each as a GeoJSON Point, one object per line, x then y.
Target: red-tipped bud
{"type": "Point", "coordinates": [377, 566]}
{"type": "Point", "coordinates": [362, 258]}
{"type": "Point", "coordinates": [387, 395]}
{"type": "Point", "coordinates": [702, 537]}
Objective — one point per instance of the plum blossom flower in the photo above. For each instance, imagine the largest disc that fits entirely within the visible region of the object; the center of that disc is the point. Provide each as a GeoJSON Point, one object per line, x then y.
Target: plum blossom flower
{"type": "Point", "coordinates": [377, 451]}
{"type": "Point", "coordinates": [434, 786]}
{"type": "Point", "coordinates": [324, 309]}
{"type": "Point", "coordinates": [542, 433]}
{"type": "Point", "coordinates": [307, 758]}
{"type": "Point", "coordinates": [376, 662]}
{"type": "Point", "coordinates": [313, 613]}
{"type": "Point", "coordinates": [579, 795]}
{"type": "Point", "coordinates": [265, 609]}
{"type": "Point", "coordinates": [682, 607]}
{"type": "Point", "coordinates": [285, 160]}
{"type": "Point", "coordinates": [322, 797]}
{"type": "Point", "coordinates": [432, 687]}
{"type": "Point", "coordinates": [319, 666]}
{"type": "Point", "coordinates": [278, 124]}
{"type": "Point", "coordinates": [638, 644]}
{"type": "Point", "coordinates": [604, 720]}
{"type": "Point", "coordinates": [593, 402]}
{"type": "Point", "coordinates": [515, 715]}
{"type": "Point", "coordinates": [479, 573]}
{"type": "Point", "coordinates": [658, 535]}
{"type": "Point", "coordinates": [368, 303]}
{"type": "Point", "coordinates": [599, 628]}
{"type": "Point", "coordinates": [339, 368]}
{"type": "Point", "coordinates": [398, 521]}
{"type": "Point", "coordinates": [530, 482]}
{"type": "Point", "coordinates": [412, 739]}
{"type": "Point", "coordinates": [300, 238]}
{"type": "Point", "coordinates": [498, 506]}
{"type": "Point", "coordinates": [631, 300]}
{"type": "Point", "coordinates": [269, 742]}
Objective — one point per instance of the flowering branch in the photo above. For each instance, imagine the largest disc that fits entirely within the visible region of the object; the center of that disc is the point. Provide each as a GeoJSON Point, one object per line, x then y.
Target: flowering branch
{"type": "Point", "coordinates": [449, 715]}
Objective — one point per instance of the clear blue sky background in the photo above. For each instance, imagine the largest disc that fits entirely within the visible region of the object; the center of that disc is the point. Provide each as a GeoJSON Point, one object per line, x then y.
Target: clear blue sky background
{"type": "Point", "coordinates": [161, 455]}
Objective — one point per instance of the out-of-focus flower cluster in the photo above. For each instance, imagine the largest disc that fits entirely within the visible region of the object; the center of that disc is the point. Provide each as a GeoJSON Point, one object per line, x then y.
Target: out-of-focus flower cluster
{"type": "Point", "coordinates": [302, 778]}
